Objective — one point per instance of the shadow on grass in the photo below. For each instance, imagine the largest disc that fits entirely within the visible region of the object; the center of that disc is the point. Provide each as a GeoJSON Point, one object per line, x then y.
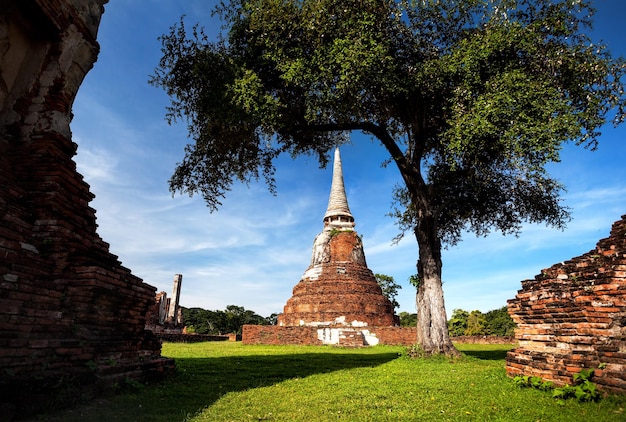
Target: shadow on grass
{"type": "Point", "coordinates": [199, 382]}
{"type": "Point", "coordinates": [486, 354]}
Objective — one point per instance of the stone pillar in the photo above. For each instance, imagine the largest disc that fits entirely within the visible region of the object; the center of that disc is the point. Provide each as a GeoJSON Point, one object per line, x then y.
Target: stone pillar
{"type": "Point", "coordinates": [163, 302]}
{"type": "Point", "coordinates": [172, 315]}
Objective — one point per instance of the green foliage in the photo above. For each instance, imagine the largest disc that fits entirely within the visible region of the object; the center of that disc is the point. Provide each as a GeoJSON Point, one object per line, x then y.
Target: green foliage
{"type": "Point", "coordinates": [583, 375]}
{"type": "Point", "coordinates": [476, 324]}
{"type": "Point", "coordinates": [534, 382]}
{"type": "Point", "coordinates": [389, 287]}
{"type": "Point", "coordinates": [497, 322]}
{"type": "Point", "coordinates": [131, 384]}
{"type": "Point", "coordinates": [272, 319]}
{"type": "Point", "coordinates": [414, 280]}
{"type": "Point", "coordinates": [500, 323]}
{"type": "Point", "coordinates": [231, 320]}
{"type": "Point", "coordinates": [457, 324]}
{"type": "Point", "coordinates": [583, 390]}
{"type": "Point", "coordinates": [334, 232]}
{"type": "Point", "coordinates": [407, 319]}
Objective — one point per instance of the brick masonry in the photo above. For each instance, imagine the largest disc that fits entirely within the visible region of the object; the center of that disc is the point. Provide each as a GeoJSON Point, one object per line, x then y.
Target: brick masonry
{"type": "Point", "coordinates": [310, 335]}
{"type": "Point", "coordinates": [573, 316]}
{"type": "Point", "coordinates": [338, 289]}
{"type": "Point", "coordinates": [71, 316]}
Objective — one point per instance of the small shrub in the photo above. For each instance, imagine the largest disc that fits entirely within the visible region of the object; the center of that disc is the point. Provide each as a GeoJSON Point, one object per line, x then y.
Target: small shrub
{"type": "Point", "coordinates": [583, 389]}
{"type": "Point", "coordinates": [534, 382]}
{"type": "Point", "coordinates": [415, 351]}
{"type": "Point", "coordinates": [132, 384]}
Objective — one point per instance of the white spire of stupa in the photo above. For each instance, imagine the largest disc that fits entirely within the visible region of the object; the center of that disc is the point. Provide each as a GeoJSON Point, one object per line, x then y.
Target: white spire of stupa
{"type": "Point", "coordinates": [338, 213]}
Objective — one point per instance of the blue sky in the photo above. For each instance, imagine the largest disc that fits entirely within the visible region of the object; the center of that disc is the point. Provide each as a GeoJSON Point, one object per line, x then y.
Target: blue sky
{"type": "Point", "coordinates": [254, 250]}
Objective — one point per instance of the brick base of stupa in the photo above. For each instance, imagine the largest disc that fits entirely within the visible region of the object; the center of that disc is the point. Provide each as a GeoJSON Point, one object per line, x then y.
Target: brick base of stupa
{"type": "Point", "coordinates": [338, 289]}
{"type": "Point", "coordinates": [337, 301]}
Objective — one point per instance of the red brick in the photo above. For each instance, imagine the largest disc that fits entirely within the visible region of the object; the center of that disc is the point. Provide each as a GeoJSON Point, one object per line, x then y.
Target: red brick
{"type": "Point", "coordinates": [582, 313]}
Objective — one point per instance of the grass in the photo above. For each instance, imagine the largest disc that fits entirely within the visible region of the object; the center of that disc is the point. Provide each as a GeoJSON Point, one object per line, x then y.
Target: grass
{"type": "Point", "coordinates": [224, 381]}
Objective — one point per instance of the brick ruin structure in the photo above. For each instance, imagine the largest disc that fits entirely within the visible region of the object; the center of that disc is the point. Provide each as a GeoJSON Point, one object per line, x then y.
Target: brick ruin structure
{"type": "Point", "coordinates": [72, 318]}
{"type": "Point", "coordinates": [337, 300]}
{"type": "Point", "coordinates": [166, 315]}
{"type": "Point", "coordinates": [573, 316]}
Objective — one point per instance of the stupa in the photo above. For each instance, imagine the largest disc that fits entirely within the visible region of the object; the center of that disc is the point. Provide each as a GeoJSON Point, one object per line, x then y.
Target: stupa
{"type": "Point", "coordinates": [338, 289]}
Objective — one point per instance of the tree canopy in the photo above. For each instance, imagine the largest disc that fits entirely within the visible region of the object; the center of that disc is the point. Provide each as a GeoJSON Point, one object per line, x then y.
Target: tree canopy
{"type": "Point", "coordinates": [471, 99]}
{"type": "Point", "coordinates": [230, 320]}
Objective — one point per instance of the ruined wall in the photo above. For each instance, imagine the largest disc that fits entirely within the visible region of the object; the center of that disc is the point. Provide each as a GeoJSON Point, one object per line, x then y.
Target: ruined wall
{"type": "Point", "coordinates": [71, 316]}
{"type": "Point", "coordinates": [573, 316]}
{"type": "Point", "coordinates": [339, 336]}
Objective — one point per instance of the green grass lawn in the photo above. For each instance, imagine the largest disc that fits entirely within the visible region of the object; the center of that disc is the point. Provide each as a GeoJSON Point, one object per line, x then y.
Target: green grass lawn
{"type": "Point", "coordinates": [224, 381]}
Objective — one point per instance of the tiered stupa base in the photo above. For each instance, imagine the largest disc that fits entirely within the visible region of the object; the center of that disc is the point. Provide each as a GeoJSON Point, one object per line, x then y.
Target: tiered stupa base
{"type": "Point", "coordinates": [342, 294]}
{"type": "Point", "coordinates": [338, 289]}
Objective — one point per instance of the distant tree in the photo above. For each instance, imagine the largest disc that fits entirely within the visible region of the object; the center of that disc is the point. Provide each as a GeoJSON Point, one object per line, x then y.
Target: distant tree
{"type": "Point", "coordinates": [457, 324]}
{"type": "Point", "coordinates": [389, 287]}
{"type": "Point", "coordinates": [472, 99]}
{"type": "Point", "coordinates": [231, 320]}
{"type": "Point", "coordinates": [272, 319]}
{"type": "Point", "coordinates": [499, 322]}
{"type": "Point", "coordinates": [476, 324]}
{"type": "Point", "coordinates": [206, 321]}
{"type": "Point", "coordinates": [407, 319]}
{"type": "Point", "coordinates": [238, 316]}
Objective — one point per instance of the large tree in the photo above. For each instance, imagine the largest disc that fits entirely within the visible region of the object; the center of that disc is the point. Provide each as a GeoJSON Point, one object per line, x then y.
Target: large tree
{"type": "Point", "coordinates": [471, 99]}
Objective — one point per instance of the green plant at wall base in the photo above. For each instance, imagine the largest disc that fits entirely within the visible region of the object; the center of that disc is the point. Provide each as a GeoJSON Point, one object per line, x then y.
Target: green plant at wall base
{"type": "Point", "coordinates": [584, 390]}
{"type": "Point", "coordinates": [583, 375]}
{"type": "Point", "coordinates": [534, 382]}
{"type": "Point", "coordinates": [132, 384]}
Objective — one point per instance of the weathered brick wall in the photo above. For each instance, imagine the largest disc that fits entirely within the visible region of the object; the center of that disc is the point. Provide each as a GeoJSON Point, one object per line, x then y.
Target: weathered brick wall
{"type": "Point", "coordinates": [191, 338]}
{"type": "Point", "coordinates": [307, 335]}
{"type": "Point", "coordinates": [71, 316]}
{"type": "Point", "coordinates": [573, 316]}
{"type": "Point", "coordinates": [276, 335]}
{"type": "Point", "coordinates": [406, 336]}
{"type": "Point", "coordinates": [484, 339]}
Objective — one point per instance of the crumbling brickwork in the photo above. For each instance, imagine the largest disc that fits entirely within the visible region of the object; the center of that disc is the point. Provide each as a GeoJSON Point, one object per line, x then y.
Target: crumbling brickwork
{"type": "Point", "coordinates": [339, 291]}
{"type": "Point", "coordinates": [72, 317]}
{"type": "Point", "coordinates": [573, 316]}
{"type": "Point", "coordinates": [345, 336]}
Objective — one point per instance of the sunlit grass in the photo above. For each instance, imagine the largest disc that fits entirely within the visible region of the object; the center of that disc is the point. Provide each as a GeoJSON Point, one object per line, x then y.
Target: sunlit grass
{"type": "Point", "coordinates": [224, 381]}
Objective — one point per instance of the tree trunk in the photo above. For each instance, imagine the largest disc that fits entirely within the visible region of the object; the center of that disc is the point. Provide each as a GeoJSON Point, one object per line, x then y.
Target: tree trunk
{"type": "Point", "coordinates": [432, 324]}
